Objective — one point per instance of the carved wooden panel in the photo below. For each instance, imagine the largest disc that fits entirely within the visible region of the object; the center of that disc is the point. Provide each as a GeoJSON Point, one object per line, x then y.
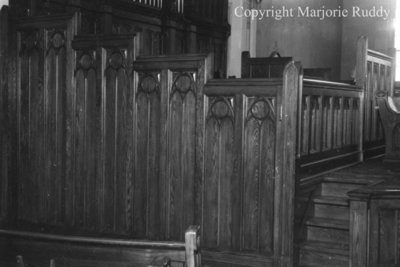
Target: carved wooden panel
{"type": "Point", "coordinates": [258, 174]}
{"type": "Point", "coordinates": [118, 148]}
{"type": "Point", "coordinates": [219, 187]}
{"type": "Point", "coordinates": [146, 188]}
{"type": "Point", "coordinates": [82, 183]}
{"type": "Point", "coordinates": [32, 201]}
{"type": "Point", "coordinates": [238, 205]}
{"type": "Point", "coordinates": [181, 152]}
{"type": "Point", "coordinates": [55, 88]}
{"type": "Point", "coordinates": [388, 241]}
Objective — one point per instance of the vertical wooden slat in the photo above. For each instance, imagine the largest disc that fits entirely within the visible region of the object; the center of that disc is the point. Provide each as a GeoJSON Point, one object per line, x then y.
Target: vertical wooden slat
{"type": "Point", "coordinates": [146, 186]}
{"type": "Point", "coordinates": [319, 124]}
{"type": "Point", "coordinates": [266, 185]}
{"type": "Point", "coordinates": [358, 233]}
{"type": "Point", "coordinates": [175, 172]}
{"type": "Point", "coordinates": [306, 125]}
{"type": "Point", "coordinates": [4, 59]}
{"type": "Point", "coordinates": [210, 198]}
{"type": "Point", "coordinates": [251, 170]}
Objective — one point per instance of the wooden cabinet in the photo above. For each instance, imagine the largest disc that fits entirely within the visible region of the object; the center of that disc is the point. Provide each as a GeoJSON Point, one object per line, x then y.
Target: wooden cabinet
{"type": "Point", "coordinates": [375, 225]}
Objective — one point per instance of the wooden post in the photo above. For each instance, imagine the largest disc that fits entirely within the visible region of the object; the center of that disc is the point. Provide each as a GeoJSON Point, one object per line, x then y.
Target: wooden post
{"type": "Point", "coordinates": [3, 127]}
{"type": "Point", "coordinates": [192, 246]}
{"type": "Point", "coordinates": [361, 80]}
{"type": "Point", "coordinates": [191, 39]}
{"type": "Point", "coordinates": [358, 233]}
{"type": "Point", "coordinates": [286, 154]}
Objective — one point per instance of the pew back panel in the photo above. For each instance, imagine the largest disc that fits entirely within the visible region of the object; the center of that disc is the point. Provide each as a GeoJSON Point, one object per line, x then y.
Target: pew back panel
{"type": "Point", "coordinates": [390, 117]}
{"type": "Point", "coordinates": [250, 130]}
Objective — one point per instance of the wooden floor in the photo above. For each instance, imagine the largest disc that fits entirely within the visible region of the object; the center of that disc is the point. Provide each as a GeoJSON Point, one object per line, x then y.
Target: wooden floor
{"type": "Point", "coordinates": [374, 168]}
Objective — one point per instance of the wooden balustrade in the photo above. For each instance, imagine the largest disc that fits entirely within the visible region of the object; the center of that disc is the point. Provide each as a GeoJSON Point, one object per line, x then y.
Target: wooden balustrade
{"type": "Point", "coordinates": [329, 126]}
{"type": "Point", "coordinates": [151, 3]}
{"type": "Point", "coordinates": [373, 73]}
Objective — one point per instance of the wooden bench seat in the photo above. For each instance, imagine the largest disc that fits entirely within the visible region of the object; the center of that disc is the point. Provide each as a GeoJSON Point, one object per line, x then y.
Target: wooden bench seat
{"type": "Point", "coordinates": [44, 250]}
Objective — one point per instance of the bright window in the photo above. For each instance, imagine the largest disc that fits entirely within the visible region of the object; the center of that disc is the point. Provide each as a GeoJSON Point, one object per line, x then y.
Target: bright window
{"type": "Point", "coordinates": [397, 41]}
{"type": "Point", "coordinates": [3, 3]}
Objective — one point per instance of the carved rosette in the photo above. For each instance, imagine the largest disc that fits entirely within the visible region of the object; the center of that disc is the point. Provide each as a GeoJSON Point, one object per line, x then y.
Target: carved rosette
{"type": "Point", "coordinates": [117, 59]}
{"type": "Point", "coordinates": [149, 83]}
{"type": "Point", "coordinates": [32, 40]}
{"type": "Point", "coordinates": [261, 109]}
{"type": "Point", "coordinates": [184, 83]}
{"type": "Point", "coordinates": [56, 40]}
{"type": "Point", "coordinates": [86, 61]}
{"type": "Point", "coordinates": [221, 108]}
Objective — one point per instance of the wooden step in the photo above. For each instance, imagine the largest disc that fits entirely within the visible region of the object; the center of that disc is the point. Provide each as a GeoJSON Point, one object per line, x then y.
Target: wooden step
{"type": "Point", "coordinates": [329, 247]}
{"type": "Point", "coordinates": [338, 188]}
{"type": "Point", "coordinates": [331, 207]}
{"type": "Point", "coordinates": [331, 200]}
{"type": "Point", "coordinates": [323, 254]}
{"type": "Point", "coordinates": [328, 230]}
{"type": "Point", "coordinates": [351, 178]}
{"type": "Point", "coordinates": [328, 223]}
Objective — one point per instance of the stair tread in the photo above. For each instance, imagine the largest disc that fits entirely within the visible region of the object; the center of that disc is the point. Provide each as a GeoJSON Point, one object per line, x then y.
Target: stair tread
{"type": "Point", "coordinates": [326, 247]}
{"type": "Point", "coordinates": [332, 200]}
{"type": "Point", "coordinates": [351, 178]}
{"type": "Point", "coordinates": [328, 223]}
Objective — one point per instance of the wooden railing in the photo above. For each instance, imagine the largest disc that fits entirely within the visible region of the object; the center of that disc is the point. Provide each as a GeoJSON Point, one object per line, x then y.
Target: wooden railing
{"type": "Point", "coordinates": [151, 3]}
{"type": "Point", "coordinates": [373, 73]}
{"type": "Point", "coordinates": [329, 126]}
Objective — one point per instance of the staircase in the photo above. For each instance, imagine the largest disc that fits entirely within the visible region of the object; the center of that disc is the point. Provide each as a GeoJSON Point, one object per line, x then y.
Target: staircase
{"type": "Point", "coordinates": [326, 230]}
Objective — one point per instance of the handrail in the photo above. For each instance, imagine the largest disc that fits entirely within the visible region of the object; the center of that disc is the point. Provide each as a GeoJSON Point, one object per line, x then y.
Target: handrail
{"type": "Point", "coordinates": [94, 240]}
{"type": "Point", "coordinates": [331, 85]}
{"type": "Point", "coordinates": [379, 55]}
{"type": "Point", "coordinates": [242, 86]}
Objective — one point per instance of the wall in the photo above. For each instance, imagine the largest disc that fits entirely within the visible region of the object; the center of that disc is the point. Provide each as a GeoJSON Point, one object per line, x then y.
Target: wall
{"type": "Point", "coordinates": [238, 40]}
{"type": "Point", "coordinates": [314, 42]}
{"type": "Point", "coordinates": [380, 32]}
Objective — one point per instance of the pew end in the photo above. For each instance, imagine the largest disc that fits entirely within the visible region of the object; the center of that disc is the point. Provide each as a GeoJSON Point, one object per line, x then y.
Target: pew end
{"type": "Point", "coordinates": [390, 117]}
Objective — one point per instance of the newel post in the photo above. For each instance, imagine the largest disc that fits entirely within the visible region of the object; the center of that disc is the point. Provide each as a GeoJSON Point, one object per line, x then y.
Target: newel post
{"type": "Point", "coordinates": [287, 120]}
{"type": "Point", "coordinates": [361, 81]}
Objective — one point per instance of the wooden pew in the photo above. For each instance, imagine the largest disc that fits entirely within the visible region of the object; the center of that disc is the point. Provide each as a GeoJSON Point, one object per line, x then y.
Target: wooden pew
{"type": "Point", "coordinates": [390, 117]}
{"type": "Point", "coordinates": [42, 250]}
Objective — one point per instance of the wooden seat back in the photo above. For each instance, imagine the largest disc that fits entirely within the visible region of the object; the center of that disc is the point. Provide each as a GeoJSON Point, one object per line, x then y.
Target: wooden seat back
{"type": "Point", "coordinates": [263, 67]}
{"type": "Point", "coordinates": [390, 117]}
